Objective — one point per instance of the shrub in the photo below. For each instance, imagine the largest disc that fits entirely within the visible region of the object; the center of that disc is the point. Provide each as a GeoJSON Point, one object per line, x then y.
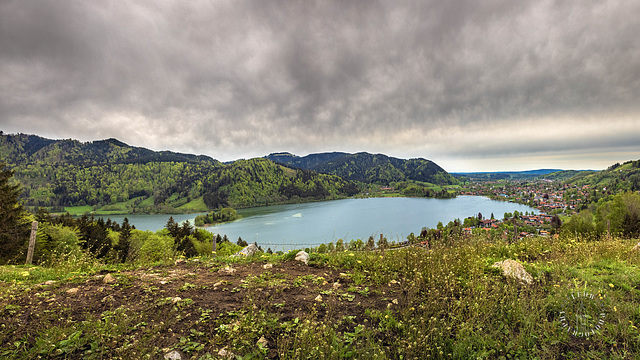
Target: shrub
{"type": "Point", "coordinates": [56, 241]}
{"type": "Point", "coordinates": [147, 246]}
{"type": "Point", "coordinates": [227, 248]}
{"type": "Point", "coordinates": [203, 243]}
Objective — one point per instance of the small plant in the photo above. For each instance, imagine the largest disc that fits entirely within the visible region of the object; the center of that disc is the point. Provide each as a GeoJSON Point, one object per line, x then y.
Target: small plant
{"type": "Point", "coordinates": [187, 286]}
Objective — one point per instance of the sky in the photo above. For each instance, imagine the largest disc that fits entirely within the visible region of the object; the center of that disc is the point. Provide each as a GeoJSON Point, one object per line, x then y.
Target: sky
{"type": "Point", "coordinates": [491, 85]}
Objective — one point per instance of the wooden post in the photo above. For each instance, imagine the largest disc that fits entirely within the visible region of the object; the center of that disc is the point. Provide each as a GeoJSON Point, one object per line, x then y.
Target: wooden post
{"type": "Point", "coordinates": [32, 242]}
{"type": "Point", "coordinates": [213, 251]}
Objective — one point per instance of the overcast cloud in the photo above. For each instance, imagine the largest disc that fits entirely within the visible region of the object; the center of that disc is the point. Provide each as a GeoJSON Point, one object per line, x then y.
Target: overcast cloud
{"type": "Point", "coordinates": [472, 85]}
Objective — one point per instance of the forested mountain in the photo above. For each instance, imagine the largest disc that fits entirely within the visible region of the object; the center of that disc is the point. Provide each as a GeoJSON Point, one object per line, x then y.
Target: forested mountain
{"type": "Point", "coordinates": [368, 168]}
{"type": "Point", "coordinates": [112, 176]}
{"type": "Point", "coordinates": [23, 149]}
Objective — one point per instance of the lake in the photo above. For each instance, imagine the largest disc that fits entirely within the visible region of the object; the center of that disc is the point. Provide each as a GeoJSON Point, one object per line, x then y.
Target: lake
{"type": "Point", "coordinates": [284, 227]}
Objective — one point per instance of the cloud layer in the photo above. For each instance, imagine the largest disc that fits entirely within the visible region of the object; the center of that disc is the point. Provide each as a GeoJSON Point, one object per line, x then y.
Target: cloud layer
{"type": "Point", "coordinates": [477, 85]}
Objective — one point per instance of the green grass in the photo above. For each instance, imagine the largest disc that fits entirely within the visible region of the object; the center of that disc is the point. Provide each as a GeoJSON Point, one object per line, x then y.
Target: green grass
{"type": "Point", "coordinates": [127, 207]}
{"type": "Point", "coordinates": [194, 205]}
{"type": "Point", "coordinates": [78, 210]}
{"type": "Point", "coordinates": [147, 202]}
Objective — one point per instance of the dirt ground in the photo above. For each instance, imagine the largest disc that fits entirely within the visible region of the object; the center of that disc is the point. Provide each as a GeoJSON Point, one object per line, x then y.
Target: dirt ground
{"type": "Point", "coordinates": [288, 289]}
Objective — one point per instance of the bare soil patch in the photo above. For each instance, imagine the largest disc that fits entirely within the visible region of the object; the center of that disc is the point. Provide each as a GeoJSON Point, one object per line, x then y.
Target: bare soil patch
{"type": "Point", "coordinates": [172, 299]}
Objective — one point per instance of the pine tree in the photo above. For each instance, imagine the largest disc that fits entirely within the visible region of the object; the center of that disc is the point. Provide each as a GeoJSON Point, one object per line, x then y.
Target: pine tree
{"type": "Point", "coordinates": [124, 242]}
{"type": "Point", "coordinates": [14, 229]}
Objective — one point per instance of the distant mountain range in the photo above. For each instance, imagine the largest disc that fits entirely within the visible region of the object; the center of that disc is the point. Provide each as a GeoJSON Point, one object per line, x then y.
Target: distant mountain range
{"type": "Point", "coordinates": [368, 168]}
{"type": "Point", "coordinates": [502, 175]}
{"type": "Point", "coordinates": [527, 172]}
{"type": "Point", "coordinates": [551, 174]}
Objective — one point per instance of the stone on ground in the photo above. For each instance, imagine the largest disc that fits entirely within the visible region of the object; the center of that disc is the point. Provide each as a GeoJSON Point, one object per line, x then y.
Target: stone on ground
{"type": "Point", "coordinates": [174, 355]}
{"type": "Point", "coordinates": [227, 270]}
{"type": "Point", "coordinates": [109, 279]}
{"type": "Point", "coordinates": [248, 251]}
{"type": "Point", "coordinates": [302, 256]}
{"type": "Point", "coordinates": [263, 342]}
{"type": "Point", "coordinates": [515, 270]}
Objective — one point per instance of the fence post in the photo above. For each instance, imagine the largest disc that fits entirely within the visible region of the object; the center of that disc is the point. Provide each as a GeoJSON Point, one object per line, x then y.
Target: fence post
{"type": "Point", "coordinates": [32, 242]}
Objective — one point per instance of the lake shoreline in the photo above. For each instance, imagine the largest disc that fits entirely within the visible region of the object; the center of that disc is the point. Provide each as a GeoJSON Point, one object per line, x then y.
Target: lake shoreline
{"type": "Point", "coordinates": [124, 213]}
{"type": "Point", "coordinates": [300, 224]}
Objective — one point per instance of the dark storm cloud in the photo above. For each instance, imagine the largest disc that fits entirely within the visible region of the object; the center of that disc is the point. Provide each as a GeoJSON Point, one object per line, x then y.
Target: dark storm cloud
{"type": "Point", "coordinates": [244, 78]}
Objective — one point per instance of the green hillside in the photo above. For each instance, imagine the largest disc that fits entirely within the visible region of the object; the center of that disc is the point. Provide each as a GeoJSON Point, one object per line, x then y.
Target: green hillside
{"type": "Point", "coordinates": [109, 176]}
{"type": "Point", "coordinates": [564, 175]}
{"type": "Point", "coordinates": [617, 177]}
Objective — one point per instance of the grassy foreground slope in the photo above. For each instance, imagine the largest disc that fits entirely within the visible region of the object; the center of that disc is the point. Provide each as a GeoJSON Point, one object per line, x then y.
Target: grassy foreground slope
{"type": "Point", "coordinates": [410, 304]}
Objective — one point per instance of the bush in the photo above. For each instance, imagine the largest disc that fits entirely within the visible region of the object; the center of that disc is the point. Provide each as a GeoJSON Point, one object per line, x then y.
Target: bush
{"type": "Point", "coordinates": [226, 248]}
{"type": "Point", "coordinates": [56, 241]}
{"type": "Point", "coordinates": [203, 243]}
{"type": "Point", "coordinates": [149, 247]}
{"type": "Point", "coordinates": [581, 224]}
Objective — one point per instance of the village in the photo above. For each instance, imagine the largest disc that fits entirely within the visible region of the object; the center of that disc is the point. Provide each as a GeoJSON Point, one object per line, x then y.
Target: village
{"type": "Point", "coordinates": [554, 200]}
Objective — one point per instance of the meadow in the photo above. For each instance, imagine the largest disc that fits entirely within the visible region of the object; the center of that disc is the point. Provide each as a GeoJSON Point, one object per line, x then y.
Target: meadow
{"type": "Point", "coordinates": [413, 303]}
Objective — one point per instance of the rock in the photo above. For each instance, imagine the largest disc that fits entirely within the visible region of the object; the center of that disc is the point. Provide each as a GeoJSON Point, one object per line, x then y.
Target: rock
{"type": "Point", "coordinates": [336, 285]}
{"type": "Point", "coordinates": [227, 270]}
{"type": "Point", "coordinates": [302, 256]}
{"type": "Point", "coordinates": [247, 251]}
{"type": "Point", "coordinates": [394, 301]}
{"type": "Point", "coordinates": [225, 354]}
{"type": "Point", "coordinates": [263, 342]}
{"type": "Point", "coordinates": [109, 279]}
{"type": "Point", "coordinates": [49, 282]}
{"type": "Point", "coordinates": [637, 247]}
{"type": "Point", "coordinates": [72, 291]}
{"type": "Point", "coordinates": [515, 270]}
{"type": "Point", "coordinates": [181, 261]}
{"type": "Point", "coordinates": [174, 355]}
{"type": "Point", "coordinates": [176, 299]}
{"type": "Point", "coordinates": [267, 266]}
{"type": "Point", "coordinates": [318, 298]}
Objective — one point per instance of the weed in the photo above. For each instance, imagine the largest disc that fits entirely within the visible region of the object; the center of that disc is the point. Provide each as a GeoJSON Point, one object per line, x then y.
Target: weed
{"type": "Point", "coordinates": [187, 286]}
